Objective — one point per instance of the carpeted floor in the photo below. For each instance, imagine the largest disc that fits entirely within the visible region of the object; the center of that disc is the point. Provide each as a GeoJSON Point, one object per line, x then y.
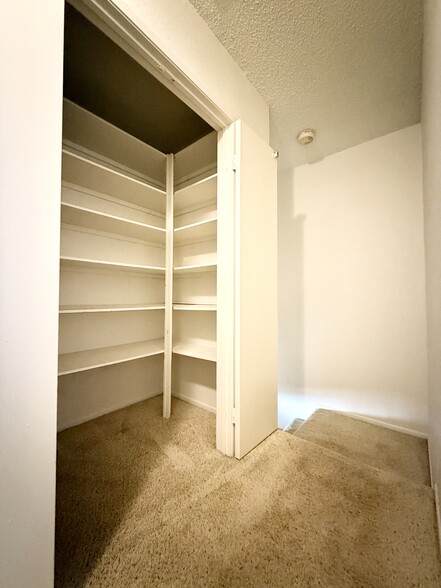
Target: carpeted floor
{"type": "Point", "coordinates": [145, 502]}
{"type": "Point", "coordinates": [369, 444]}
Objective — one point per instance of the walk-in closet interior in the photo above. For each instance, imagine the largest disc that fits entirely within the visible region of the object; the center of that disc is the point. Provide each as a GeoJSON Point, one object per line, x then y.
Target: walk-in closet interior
{"type": "Point", "coordinates": [138, 237]}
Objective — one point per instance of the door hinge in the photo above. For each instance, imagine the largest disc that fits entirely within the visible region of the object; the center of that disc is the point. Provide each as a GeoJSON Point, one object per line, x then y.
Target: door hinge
{"type": "Point", "coordinates": [234, 163]}
{"type": "Point", "coordinates": [233, 416]}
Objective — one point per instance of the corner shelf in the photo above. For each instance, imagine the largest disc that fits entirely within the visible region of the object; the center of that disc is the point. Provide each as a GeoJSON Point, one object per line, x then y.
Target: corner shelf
{"type": "Point", "coordinates": [82, 170]}
{"type": "Point", "coordinates": [94, 308]}
{"type": "Point", "coordinates": [195, 307]}
{"type": "Point", "coordinates": [192, 269]}
{"type": "Point", "coordinates": [202, 230]}
{"type": "Point", "coordinates": [196, 350]}
{"type": "Point", "coordinates": [202, 191]}
{"type": "Point", "coordinates": [78, 262]}
{"type": "Point", "coordinates": [80, 361]}
{"type": "Point", "coordinates": [101, 221]}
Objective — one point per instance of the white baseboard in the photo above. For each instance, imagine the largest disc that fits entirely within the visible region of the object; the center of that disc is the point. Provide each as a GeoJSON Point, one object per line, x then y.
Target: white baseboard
{"type": "Point", "coordinates": [384, 424]}
{"type": "Point", "coordinates": [109, 409]}
{"type": "Point", "coordinates": [197, 403]}
{"type": "Point", "coordinates": [118, 406]}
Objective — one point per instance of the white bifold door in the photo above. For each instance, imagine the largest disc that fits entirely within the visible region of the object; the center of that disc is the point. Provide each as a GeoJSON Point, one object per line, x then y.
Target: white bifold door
{"type": "Point", "coordinates": [251, 286]}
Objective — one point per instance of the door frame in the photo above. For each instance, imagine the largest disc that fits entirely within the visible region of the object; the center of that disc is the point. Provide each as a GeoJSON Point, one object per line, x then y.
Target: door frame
{"type": "Point", "coordinates": [118, 26]}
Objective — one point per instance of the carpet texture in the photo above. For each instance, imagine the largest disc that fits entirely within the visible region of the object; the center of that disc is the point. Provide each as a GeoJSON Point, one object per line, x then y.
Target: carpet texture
{"type": "Point", "coordinates": [369, 444]}
{"type": "Point", "coordinates": [145, 502]}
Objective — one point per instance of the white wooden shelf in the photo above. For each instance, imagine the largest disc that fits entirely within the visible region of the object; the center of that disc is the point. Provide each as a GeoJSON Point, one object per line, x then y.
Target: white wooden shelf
{"type": "Point", "coordinates": [196, 194]}
{"type": "Point", "coordinates": [94, 308]}
{"type": "Point", "coordinates": [80, 361]}
{"type": "Point", "coordinates": [100, 221]}
{"type": "Point", "coordinates": [202, 230]}
{"type": "Point", "coordinates": [192, 269]}
{"type": "Point", "coordinates": [79, 169]}
{"type": "Point", "coordinates": [195, 307]}
{"type": "Point", "coordinates": [196, 350]}
{"type": "Point", "coordinates": [79, 262]}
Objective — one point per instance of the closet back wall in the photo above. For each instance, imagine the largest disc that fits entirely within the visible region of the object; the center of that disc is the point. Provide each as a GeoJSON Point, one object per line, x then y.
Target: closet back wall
{"type": "Point", "coordinates": [351, 284]}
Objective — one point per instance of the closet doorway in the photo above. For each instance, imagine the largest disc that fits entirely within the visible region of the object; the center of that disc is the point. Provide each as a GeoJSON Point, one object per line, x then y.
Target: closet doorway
{"type": "Point", "coordinates": [167, 286]}
{"type": "Point", "coordinates": [138, 236]}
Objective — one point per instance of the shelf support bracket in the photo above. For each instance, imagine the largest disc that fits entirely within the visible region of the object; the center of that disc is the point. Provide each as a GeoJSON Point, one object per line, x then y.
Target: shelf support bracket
{"type": "Point", "coordinates": [168, 314]}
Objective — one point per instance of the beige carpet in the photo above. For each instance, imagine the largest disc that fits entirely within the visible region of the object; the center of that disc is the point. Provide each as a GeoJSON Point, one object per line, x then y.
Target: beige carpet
{"type": "Point", "coordinates": [146, 502]}
{"type": "Point", "coordinates": [369, 444]}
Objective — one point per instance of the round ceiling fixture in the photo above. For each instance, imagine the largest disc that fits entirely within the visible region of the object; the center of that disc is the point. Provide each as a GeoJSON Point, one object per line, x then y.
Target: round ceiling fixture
{"type": "Point", "coordinates": [306, 137]}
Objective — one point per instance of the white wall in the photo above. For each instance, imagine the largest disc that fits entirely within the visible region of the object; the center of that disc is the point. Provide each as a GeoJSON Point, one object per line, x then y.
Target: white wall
{"type": "Point", "coordinates": [31, 50]}
{"type": "Point", "coordinates": [431, 124]}
{"type": "Point", "coordinates": [351, 284]}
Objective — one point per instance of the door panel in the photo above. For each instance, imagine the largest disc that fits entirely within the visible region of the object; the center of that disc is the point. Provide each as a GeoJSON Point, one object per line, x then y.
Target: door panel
{"type": "Point", "coordinates": [255, 290]}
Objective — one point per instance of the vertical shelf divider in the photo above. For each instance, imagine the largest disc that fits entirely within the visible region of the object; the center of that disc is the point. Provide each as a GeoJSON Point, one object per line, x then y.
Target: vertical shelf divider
{"type": "Point", "coordinates": [168, 288]}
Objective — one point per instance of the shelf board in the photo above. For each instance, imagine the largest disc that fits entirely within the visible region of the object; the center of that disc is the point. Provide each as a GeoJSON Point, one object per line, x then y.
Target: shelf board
{"type": "Point", "coordinates": [81, 170]}
{"type": "Point", "coordinates": [191, 196]}
{"type": "Point", "coordinates": [93, 219]}
{"type": "Point", "coordinates": [201, 230]}
{"type": "Point", "coordinates": [194, 307]}
{"type": "Point", "coordinates": [190, 349]}
{"type": "Point", "coordinates": [93, 308]}
{"type": "Point", "coordinates": [97, 264]}
{"type": "Point", "coordinates": [191, 269]}
{"type": "Point", "coordinates": [80, 361]}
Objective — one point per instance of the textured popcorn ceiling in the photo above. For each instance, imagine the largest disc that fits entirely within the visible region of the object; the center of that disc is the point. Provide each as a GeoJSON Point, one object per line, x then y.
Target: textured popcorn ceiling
{"type": "Point", "coordinates": [350, 69]}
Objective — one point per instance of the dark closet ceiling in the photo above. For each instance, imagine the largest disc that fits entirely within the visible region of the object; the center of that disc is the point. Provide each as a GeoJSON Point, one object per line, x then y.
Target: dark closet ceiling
{"type": "Point", "coordinates": [102, 78]}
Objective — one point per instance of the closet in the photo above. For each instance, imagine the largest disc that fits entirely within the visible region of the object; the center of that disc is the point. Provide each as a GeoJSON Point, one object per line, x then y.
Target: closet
{"type": "Point", "coordinates": [168, 251]}
{"type": "Point", "coordinates": [138, 270]}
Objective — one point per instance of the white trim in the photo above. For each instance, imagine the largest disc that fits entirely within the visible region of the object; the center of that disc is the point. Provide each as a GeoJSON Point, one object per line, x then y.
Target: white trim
{"type": "Point", "coordinates": [117, 406]}
{"type": "Point", "coordinates": [225, 294]}
{"type": "Point", "coordinates": [379, 423]}
{"type": "Point", "coordinates": [197, 403]}
{"type": "Point", "coordinates": [235, 164]}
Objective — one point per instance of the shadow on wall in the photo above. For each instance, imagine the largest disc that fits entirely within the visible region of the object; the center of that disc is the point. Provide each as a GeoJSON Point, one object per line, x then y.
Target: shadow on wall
{"type": "Point", "coordinates": [291, 301]}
